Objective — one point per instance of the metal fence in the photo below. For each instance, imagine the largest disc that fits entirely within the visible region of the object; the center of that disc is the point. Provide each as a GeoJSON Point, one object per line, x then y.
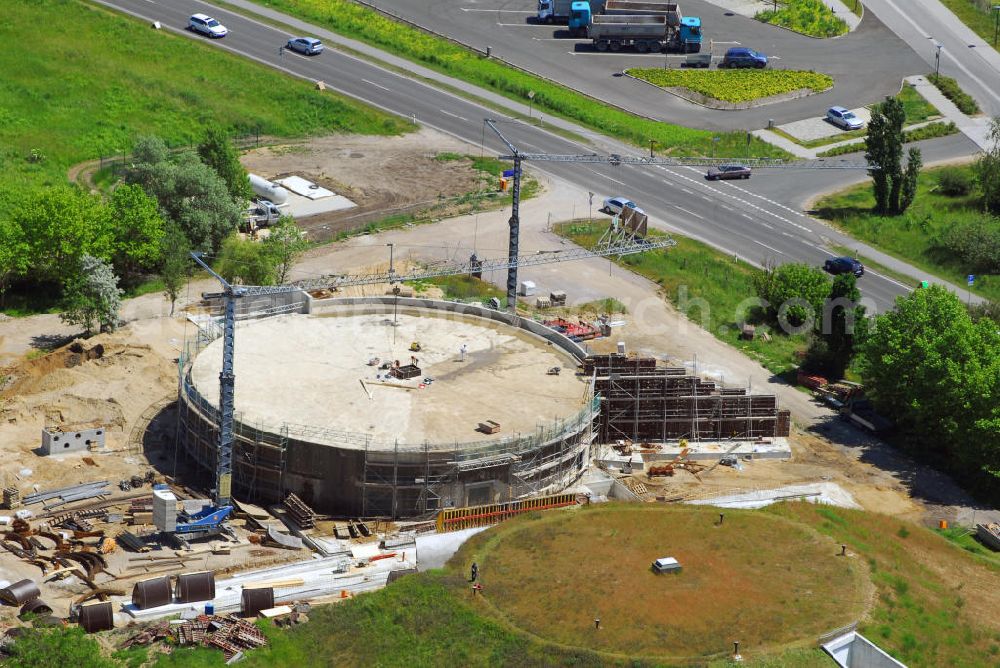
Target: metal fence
{"type": "Point", "coordinates": [117, 162]}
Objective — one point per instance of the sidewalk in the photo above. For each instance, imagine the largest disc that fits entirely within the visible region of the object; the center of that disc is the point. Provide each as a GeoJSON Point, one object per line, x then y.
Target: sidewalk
{"type": "Point", "coordinates": [973, 128]}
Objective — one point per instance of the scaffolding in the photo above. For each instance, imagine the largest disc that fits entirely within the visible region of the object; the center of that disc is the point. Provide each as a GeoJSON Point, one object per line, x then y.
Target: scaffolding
{"type": "Point", "coordinates": [659, 404]}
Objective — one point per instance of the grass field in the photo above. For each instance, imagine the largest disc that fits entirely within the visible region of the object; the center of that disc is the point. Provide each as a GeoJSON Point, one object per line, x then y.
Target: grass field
{"type": "Point", "coordinates": [93, 81]}
{"type": "Point", "coordinates": [735, 85]}
{"type": "Point", "coordinates": [809, 17]}
{"type": "Point", "coordinates": [913, 235]}
{"type": "Point", "coordinates": [366, 25]}
{"type": "Point", "coordinates": [755, 578]}
{"type": "Point", "coordinates": [932, 603]}
{"type": "Point", "coordinates": [709, 287]}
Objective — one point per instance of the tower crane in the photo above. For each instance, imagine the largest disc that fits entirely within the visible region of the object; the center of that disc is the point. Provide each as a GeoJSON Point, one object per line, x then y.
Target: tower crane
{"type": "Point", "coordinates": [619, 241]}
{"type": "Point", "coordinates": [615, 160]}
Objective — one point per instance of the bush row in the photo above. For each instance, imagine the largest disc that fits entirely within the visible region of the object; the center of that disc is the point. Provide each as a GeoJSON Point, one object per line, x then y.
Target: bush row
{"type": "Point", "coordinates": [951, 90]}
{"type": "Point", "coordinates": [930, 131]}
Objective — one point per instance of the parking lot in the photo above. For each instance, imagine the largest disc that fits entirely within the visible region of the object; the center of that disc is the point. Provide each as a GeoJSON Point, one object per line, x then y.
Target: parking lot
{"type": "Point", "coordinates": [510, 31]}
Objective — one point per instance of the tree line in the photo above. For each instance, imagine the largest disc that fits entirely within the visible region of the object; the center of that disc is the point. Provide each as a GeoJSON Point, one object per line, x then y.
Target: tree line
{"type": "Point", "coordinates": [86, 247]}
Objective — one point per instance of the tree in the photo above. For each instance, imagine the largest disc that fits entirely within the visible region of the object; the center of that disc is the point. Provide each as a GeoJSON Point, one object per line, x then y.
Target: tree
{"type": "Point", "coordinates": [936, 373]}
{"type": "Point", "coordinates": [91, 296]}
{"type": "Point", "coordinates": [987, 170]}
{"type": "Point", "coordinates": [60, 225]}
{"type": "Point", "coordinates": [56, 648]}
{"type": "Point", "coordinates": [884, 150]}
{"type": "Point", "coordinates": [15, 253]}
{"type": "Point", "coordinates": [176, 262]}
{"type": "Point", "coordinates": [285, 244]}
{"type": "Point", "coordinates": [908, 192]}
{"type": "Point", "coordinates": [217, 151]}
{"type": "Point", "coordinates": [188, 192]}
{"type": "Point", "coordinates": [137, 229]}
{"type": "Point", "coordinates": [842, 324]}
{"type": "Point", "coordinates": [794, 293]}
{"type": "Point", "coordinates": [245, 262]}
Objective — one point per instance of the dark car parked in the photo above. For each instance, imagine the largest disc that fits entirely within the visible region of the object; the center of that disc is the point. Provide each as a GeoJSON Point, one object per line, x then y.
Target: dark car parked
{"type": "Point", "coordinates": [844, 265]}
{"type": "Point", "coordinates": [740, 56]}
{"type": "Point", "coordinates": [728, 172]}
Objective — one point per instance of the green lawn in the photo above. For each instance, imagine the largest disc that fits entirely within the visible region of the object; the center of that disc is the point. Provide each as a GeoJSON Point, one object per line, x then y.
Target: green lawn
{"type": "Point", "coordinates": [931, 605]}
{"type": "Point", "coordinates": [735, 85]}
{"type": "Point", "coordinates": [366, 25]}
{"type": "Point", "coordinates": [810, 17]}
{"type": "Point", "coordinates": [913, 235]}
{"type": "Point", "coordinates": [92, 81]}
{"type": "Point", "coordinates": [915, 107]}
{"type": "Point", "coordinates": [691, 272]}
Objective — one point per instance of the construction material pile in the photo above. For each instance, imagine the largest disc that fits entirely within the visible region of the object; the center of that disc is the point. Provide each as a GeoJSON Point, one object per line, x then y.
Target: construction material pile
{"type": "Point", "coordinates": [300, 513]}
{"type": "Point", "coordinates": [229, 633]}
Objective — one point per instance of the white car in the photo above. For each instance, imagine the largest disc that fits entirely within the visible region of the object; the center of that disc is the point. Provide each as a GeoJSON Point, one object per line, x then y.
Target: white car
{"type": "Point", "coordinates": [615, 205]}
{"type": "Point", "coordinates": [206, 25]}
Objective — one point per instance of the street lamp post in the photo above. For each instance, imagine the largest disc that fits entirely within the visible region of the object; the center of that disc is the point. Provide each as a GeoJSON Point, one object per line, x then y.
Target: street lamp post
{"type": "Point", "coordinates": [531, 98]}
{"type": "Point", "coordinates": [937, 59]}
{"type": "Point", "coordinates": [996, 23]}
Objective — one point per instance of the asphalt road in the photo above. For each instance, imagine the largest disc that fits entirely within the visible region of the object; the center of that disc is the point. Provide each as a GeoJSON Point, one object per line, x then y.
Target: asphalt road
{"type": "Point", "coordinates": [509, 28]}
{"type": "Point", "coordinates": [740, 218]}
{"type": "Point", "coordinates": [964, 56]}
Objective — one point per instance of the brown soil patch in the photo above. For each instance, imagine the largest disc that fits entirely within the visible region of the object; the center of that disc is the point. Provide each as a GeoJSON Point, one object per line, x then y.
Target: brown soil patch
{"type": "Point", "coordinates": [383, 176]}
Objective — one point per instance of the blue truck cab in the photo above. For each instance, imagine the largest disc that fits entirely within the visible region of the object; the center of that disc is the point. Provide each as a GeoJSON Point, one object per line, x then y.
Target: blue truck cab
{"type": "Point", "coordinates": [690, 36]}
{"type": "Point", "coordinates": [579, 17]}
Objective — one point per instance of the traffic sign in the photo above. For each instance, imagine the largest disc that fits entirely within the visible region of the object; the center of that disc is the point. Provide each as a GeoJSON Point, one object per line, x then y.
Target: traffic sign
{"type": "Point", "coordinates": [971, 279]}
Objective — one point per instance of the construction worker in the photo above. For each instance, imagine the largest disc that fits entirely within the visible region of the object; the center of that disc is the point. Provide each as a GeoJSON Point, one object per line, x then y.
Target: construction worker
{"type": "Point", "coordinates": [474, 572]}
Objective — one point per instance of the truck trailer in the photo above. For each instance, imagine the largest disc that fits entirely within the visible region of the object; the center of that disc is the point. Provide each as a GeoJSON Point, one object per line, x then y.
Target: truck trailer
{"type": "Point", "coordinates": [684, 33]}
{"type": "Point", "coordinates": [644, 33]}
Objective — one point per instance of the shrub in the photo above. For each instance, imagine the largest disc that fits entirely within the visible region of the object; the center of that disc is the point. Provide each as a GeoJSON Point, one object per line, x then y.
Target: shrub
{"type": "Point", "coordinates": [810, 17]}
{"type": "Point", "coordinates": [735, 85]}
{"type": "Point", "coordinates": [976, 243]}
{"type": "Point", "coordinates": [951, 90]}
{"type": "Point", "coordinates": [954, 182]}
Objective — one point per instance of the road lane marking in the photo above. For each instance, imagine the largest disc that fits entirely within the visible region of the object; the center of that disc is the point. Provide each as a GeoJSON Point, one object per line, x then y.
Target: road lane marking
{"type": "Point", "coordinates": [372, 83]}
{"type": "Point", "coordinates": [506, 11]}
{"type": "Point", "coordinates": [448, 113]}
{"type": "Point", "coordinates": [690, 213]}
{"type": "Point", "coordinates": [770, 248]}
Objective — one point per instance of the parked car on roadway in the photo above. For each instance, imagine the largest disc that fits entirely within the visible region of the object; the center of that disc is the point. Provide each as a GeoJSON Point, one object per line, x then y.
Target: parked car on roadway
{"type": "Point", "coordinates": [844, 118]}
{"type": "Point", "coordinates": [740, 56]}
{"type": "Point", "coordinates": [728, 172]}
{"type": "Point", "coordinates": [615, 205]}
{"type": "Point", "coordinates": [844, 265]}
{"type": "Point", "coordinates": [307, 46]}
{"type": "Point", "coordinates": [206, 25]}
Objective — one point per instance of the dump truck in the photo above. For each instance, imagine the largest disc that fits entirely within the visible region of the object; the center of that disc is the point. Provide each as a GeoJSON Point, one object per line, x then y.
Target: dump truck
{"type": "Point", "coordinates": [643, 33]}
{"type": "Point", "coordinates": [574, 13]}
{"type": "Point", "coordinates": [684, 32]}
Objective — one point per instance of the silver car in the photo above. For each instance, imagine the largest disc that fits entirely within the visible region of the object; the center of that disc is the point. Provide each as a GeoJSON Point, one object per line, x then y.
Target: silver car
{"type": "Point", "coordinates": [844, 118]}
{"type": "Point", "coordinates": [308, 46]}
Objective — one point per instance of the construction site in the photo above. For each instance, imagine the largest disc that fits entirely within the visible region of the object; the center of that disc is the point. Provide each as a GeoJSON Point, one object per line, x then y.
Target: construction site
{"type": "Point", "coordinates": [267, 451]}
